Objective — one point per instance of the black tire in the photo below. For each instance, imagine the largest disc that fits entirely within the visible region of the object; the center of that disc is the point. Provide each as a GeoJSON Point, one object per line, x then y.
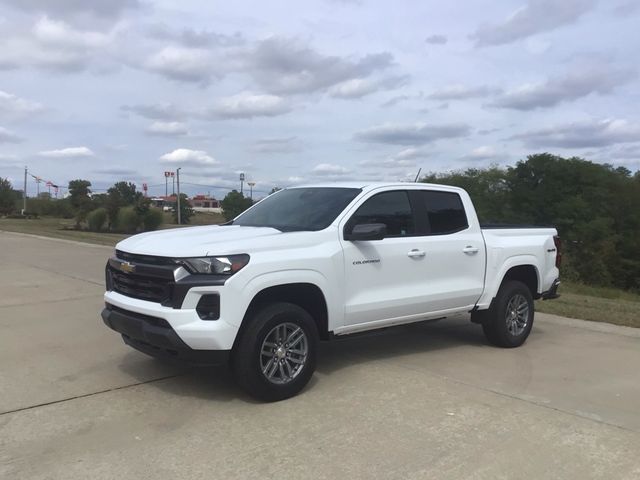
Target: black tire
{"type": "Point", "coordinates": [498, 324]}
{"type": "Point", "coordinates": [248, 356]}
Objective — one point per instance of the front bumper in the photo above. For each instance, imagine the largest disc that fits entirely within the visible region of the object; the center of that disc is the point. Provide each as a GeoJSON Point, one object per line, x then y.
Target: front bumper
{"type": "Point", "coordinates": [155, 336]}
{"type": "Point", "coordinates": [195, 333]}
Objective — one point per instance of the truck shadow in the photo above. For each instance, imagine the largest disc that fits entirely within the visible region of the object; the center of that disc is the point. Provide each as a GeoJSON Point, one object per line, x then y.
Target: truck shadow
{"type": "Point", "coordinates": [396, 342]}
{"type": "Point", "coordinates": [217, 383]}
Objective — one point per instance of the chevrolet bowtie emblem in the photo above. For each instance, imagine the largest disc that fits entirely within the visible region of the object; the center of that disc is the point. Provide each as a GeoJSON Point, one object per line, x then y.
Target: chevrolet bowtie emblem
{"type": "Point", "coordinates": [127, 267]}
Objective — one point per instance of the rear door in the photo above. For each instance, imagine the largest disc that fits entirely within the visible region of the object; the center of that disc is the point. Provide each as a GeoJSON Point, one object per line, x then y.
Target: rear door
{"type": "Point", "coordinates": [455, 256]}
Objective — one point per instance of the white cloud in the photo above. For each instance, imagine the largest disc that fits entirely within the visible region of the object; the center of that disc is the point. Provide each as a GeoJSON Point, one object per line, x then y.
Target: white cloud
{"type": "Point", "coordinates": [411, 134]}
{"type": "Point", "coordinates": [182, 63]}
{"type": "Point", "coordinates": [248, 105]}
{"type": "Point", "coordinates": [329, 170]}
{"type": "Point", "coordinates": [601, 79]}
{"type": "Point", "coordinates": [56, 45]}
{"type": "Point", "coordinates": [167, 129]}
{"type": "Point", "coordinates": [582, 134]}
{"type": "Point", "coordinates": [436, 39]}
{"type": "Point", "coordinates": [7, 136]}
{"type": "Point", "coordinates": [289, 65]}
{"type": "Point", "coordinates": [185, 156]}
{"type": "Point", "coordinates": [56, 33]}
{"type": "Point", "coordinates": [275, 145]}
{"type": "Point", "coordinates": [484, 152]}
{"type": "Point", "coordinates": [461, 92]}
{"type": "Point", "coordinates": [535, 17]}
{"type": "Point", "coordinates": [70, 152]}
{"type": "Point", "coordinates": [13, 106]}
{"type": "Point", "coordinates": [360, 87]}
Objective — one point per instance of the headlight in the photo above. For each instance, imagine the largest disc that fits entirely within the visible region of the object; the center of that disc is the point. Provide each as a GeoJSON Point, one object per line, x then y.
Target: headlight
{"type": "Point", "coordinates": [215, 265]}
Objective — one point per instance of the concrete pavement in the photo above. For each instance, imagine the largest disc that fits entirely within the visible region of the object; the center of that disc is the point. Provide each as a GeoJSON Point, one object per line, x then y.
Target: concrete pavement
{"type": "Point", "coordinates": [428, 400]}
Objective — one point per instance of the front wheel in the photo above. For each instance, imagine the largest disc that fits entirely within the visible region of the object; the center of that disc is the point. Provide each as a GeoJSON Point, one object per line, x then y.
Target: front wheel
{"type": "Point", "coordinates": [509, 320]}
{"type": "Point", "coordinates": [276, 355]}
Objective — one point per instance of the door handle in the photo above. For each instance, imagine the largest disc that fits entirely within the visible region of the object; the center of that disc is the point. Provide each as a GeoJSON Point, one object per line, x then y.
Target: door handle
{"type": "Point", "coordinates": [470, 250]}
{"type": "Point", "coordinates": [415, 253]}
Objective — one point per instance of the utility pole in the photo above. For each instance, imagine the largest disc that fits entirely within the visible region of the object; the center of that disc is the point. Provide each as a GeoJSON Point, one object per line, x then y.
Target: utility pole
{"type": "Point", "coordinates": [173, 183]}
{"type": "Point", "coordinates": [251, 184]}
{"type": "Point", "coordinates": [179, 212]}
{"type": "Point", "coordinates": [24, 193]}
{"type": "Point", "coordinates": [241, 182]}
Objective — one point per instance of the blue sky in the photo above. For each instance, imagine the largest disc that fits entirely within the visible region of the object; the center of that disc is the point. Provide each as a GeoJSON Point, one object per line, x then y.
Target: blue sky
{"type": "Point", "coordinates": [299, 92]}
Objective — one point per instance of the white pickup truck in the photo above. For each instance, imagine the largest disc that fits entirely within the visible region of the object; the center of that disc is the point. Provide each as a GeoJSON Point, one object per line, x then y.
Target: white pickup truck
{"type": "Point", "coordinates": [316, 262]}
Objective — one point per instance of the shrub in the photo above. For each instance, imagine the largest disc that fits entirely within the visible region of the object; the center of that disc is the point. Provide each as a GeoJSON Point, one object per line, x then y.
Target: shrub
{"type": "Point", "coordinates": [96, 219]}
{"type": "Point", "coordinates": [127, 220]}
{"type": "Point", "coordinates": [152, 219]}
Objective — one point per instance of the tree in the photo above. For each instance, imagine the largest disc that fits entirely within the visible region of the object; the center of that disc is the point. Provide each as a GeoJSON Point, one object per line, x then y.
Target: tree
{"type": "Point", "coordinates": [274, 190]}
{"type": "Point", "coordinates": [80, 201]}
{"type": "Point", "coordinates": [7, 197]}
{"type": "Point", "coordinates": [186, 212]}
{"type": "Point", "coordinates": [79, 190]}
{"type": "Point", "coordinates": [121, 194]}
{"type": "Point", "coordinates": [234, 204]}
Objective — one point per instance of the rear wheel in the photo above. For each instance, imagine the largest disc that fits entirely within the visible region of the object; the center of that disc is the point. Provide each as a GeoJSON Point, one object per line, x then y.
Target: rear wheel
{"type": "Point", "coordinates": [276, 355]}
{"type": "Point", "coordinates": [510, 319]}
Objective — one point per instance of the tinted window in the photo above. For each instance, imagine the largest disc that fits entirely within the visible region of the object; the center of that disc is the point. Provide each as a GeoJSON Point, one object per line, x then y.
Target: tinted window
{"type": "Point", "coordinates": [445, 212]}
{"type": "Point", "coordinates": [391, 208]}
{"type": "Point", "coordinates": [299, 209]}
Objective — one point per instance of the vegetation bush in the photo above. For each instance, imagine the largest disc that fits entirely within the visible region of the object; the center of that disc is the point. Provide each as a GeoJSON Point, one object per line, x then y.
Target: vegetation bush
{"type": "Point", "coordinates": [152, 219]}
{"type": "Point", "coordinates": [234, 203]}
{"type": "Point", "coordinates": [96, 219]}
{"type": "Point", "coordinates": [51, 207]}
{"type": "Point", "coordinates": [186, 212]}
{"type": "Point", "coordinates": [595, 208]}
{"type": "Point", "coordinates": [127, 220]}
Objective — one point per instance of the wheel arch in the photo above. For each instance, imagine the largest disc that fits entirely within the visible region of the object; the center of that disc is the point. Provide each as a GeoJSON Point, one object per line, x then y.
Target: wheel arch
{"type": "Point", "coordinates": [308, 296]}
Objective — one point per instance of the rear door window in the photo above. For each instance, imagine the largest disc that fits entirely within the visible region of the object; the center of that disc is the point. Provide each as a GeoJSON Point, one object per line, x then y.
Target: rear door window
{"type": "Point", "coordinates": [444, 210]}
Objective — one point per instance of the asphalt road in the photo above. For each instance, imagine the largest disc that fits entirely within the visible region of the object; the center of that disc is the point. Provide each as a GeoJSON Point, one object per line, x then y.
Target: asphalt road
{"type": "Point", "coordinates": [430, 400]}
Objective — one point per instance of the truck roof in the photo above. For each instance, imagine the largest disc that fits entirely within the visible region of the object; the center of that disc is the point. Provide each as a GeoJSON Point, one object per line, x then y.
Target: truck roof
{"type": "Point", "coordinates": [364, 185]}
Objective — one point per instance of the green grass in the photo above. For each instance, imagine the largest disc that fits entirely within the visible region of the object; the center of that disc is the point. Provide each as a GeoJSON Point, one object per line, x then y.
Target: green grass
{"type": "Point", "coordinates": [586, 302]}
{"type": "Point", "coordinates": [55, 228]}
{"type": "Point", "coordinates": [61, 228]}
{"type": "Point", "coordinates": [597, 304]}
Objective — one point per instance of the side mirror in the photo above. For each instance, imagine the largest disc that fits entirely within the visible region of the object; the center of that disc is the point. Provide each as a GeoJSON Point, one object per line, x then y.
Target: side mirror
{"type": "Point", "coordinates": [367, 231]}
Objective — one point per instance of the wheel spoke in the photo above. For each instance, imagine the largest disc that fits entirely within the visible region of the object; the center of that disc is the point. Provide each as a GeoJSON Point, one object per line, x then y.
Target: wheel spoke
{"type": "Point", "coordinates": [292, 334]}
{"type": "Point", "coordinates": [284, 353]}
{"type": "Point", "coordinates": [268, 365]}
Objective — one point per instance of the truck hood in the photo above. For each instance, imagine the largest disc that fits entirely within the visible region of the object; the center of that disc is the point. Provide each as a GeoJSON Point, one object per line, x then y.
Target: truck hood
{"type": "Point", "coordinates": [206, 240]}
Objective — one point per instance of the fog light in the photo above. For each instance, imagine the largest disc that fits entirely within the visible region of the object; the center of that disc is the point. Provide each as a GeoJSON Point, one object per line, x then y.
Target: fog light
{"type": "Point", "coordinates": [208, 307]}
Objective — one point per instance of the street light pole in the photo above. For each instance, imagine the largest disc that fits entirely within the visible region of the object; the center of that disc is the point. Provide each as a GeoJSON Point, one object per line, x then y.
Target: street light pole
{"type": "Point", "coordinates": [178, 178]}
{"type": "Point", "coordinates": [241, 183]}
{"type": "Point", "coordinates": [24, 193]}
{"type": "Point", "coordinates": [251, 184]}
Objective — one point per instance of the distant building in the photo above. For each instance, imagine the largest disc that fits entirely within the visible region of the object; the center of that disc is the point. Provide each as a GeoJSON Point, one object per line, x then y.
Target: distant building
{"type": "Point", "coordinates": [205, 203]}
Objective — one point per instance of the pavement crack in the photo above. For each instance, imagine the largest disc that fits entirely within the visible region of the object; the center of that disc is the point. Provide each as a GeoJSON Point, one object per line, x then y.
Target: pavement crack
{"type": "Point", "coordinates": [58, 272]}
{"type": "Point", "coordinates": [516, 397]}
{"type": "Point", "coordinates": [44, 302]}
{"type": "Point", "coordinates": [85, 395]}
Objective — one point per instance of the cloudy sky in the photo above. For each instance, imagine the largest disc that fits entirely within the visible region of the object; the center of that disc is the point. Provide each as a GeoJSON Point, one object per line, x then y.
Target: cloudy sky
{"type": "Point", "coordinates": [324, 90]}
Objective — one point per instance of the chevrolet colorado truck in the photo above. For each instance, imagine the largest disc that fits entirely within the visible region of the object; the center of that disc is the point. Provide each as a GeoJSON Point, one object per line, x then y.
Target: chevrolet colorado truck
{"type": "Point", "coordinates": [316, 262]}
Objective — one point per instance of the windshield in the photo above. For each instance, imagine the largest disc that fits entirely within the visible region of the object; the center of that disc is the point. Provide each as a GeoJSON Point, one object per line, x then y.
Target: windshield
{"type": "Point", "coordinates": [299, 209]}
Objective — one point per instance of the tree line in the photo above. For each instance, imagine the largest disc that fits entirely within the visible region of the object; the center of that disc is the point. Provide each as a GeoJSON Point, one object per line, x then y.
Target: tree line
{"type": "Point", "coordinates": [595, 207]}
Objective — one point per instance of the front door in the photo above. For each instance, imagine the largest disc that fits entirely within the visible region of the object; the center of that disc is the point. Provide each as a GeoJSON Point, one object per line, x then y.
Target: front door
{"type": "Point", "coordinates": [384, 278]}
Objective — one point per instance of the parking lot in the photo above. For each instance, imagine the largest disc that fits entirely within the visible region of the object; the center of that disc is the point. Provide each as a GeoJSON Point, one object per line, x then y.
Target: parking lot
{"type": "Point", "coordinates": [429, 400]}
